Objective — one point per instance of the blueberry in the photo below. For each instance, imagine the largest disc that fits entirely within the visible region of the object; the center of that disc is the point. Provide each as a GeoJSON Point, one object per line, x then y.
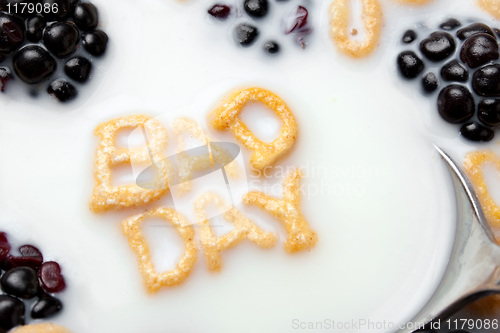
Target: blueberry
{"type": "Point", "coordinates": [34, 28]}
{"type": "Point", "coordinates": [438, 46]}
{"type": "Point", "coordinates": [256, 8]}
{"type": "Point", "coordinates": [11, 33]}
{"type": "Point", "coordinates": [450, 24]}
{"type": "Point", "coordinates": [409, 36]}
{"type": "Point", "coordinates": [430, 82]}
{"type": "Point", "coordinates": [5, 76]}
{"type": "Point", "coordinates": [455, 104]}
{"type": "Point", "coordinates": [78, 69]}
{"type": "Point", "coordinates": [473, 29]}
{"type": "Point", "coordinates": [220, 12]}
{"type": "Point", "coordinates": [61, 38]}
{"type": "Point", "coordinates": [86, 16]}
{"type": "Point", "coordinates": [21, 282]}
{"type": "Point", "coordinates": [271, 47]}
{"type": "Point", "coordinates": [488, 112]}
{"type": "Point", "coordinates": [486, 81]}
{"type": "Point", "coordinates": [45, 307]}
{"type": "Point", "coordinates": [62, 90]}
{"type": "Point", "coordinates": [409, 64]}
{"type": "Point", "coordinates": [454, 71]}
{"type": "Point", "coordinates": [245, 34]}
{"type": "Point", "coordinates": [95, 42]}
{"type": "Point", "coordinates": [33, 64]}
{"type": "Point", "coordinates": [11, 312]}
{"type": "Point", "coordinates": [474, 131]}
{"type": "Point", "coordinates": [479, 49]}
{"type": "Point", "coordinates": [21, 10]}
{"type": "Point", "coordinates": [59, 9]}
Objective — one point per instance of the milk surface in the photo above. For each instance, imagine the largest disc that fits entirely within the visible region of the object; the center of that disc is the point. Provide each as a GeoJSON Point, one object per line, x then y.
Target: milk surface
{"type": "Point", "coordinates": [374, 189]}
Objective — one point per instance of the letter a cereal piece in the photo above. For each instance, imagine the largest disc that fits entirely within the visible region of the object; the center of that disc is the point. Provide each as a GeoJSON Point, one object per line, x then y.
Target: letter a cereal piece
{"type": "Point", "coordinates": [287, 210]}
{"type": "Point", "coordinates": [243, 228]}
{"type": "Point", "coordinates": [153, 280]}
{"type": "Point", "coordinates": [339, 23]}
{"type": "Point", "coordinates": [473, 165]}
{"type": "Point", "coordinates": [189, 165]}
{"type": "Point", "coordinates": [264, 154]}
{"type": "Point", "coordinates": [105, 195]}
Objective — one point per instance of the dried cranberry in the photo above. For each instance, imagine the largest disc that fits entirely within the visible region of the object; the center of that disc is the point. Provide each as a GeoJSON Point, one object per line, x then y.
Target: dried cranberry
{"type": "Point", "coordinates": [298, 21]}
{"type": "Point", "coordinates": [4, 245]}
{"type": "Point", "coordinates": [220, 12]}
{"type": "Point", "coordinates": [51, 277]}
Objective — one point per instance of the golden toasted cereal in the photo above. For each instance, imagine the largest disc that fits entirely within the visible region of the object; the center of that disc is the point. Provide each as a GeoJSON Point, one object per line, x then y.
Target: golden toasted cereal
{"type": "Point", "coordinates": [414, 2]}
{"type": "Point", "coordinates": [40, 328]}
{"type": "Point", "coordinates": [339, 27]}
{"type": "Point", "coordinates": [153, 280]}
{"type": "Point", "coordinates": [243, 228]}
{"type": "Point", "coordinates": [486, 307]}
{"type": "Point", "coordinates": [473, 165]}
{"type": "Point", "coordinates": [188, 165]}
{"type": "Point", "coordinates": [491, 6]}
{"type": "Point", "coordinates": [106, 196]}
{"type": "Point", "coordinates": [226, 116]}
{"type": "Point", "coordinates": [287, 211]}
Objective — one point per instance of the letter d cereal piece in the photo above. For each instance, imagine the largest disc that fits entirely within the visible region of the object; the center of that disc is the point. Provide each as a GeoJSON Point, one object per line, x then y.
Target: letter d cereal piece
{"type": "Point", "coordinates": [264, 154]}
{"type": "Point", "coordinates": [153, 280]}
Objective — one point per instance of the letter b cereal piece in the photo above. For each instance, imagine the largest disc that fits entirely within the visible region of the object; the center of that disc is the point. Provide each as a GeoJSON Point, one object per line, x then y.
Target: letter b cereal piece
{"type": "Point", "coordinates": [105, 195]}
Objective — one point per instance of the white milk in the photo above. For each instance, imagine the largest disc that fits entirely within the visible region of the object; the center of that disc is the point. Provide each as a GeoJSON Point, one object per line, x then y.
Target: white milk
{"type": "Point", "coordinates": [375, 191]}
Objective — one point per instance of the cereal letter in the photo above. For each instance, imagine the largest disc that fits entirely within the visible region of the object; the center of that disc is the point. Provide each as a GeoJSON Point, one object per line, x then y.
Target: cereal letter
{"type": "Point", "coordinates": [243, 228]}
{"type": "Point", "coordinates": [339, 21]}
{"type": "Point", "coordinates": [287, 210]}
{"type": "Point", "coordinates": [491, 6]}
{"type": "Point", "coordinates": [105, 195]}
{"type": "Point", "coordinates": [473, 165]}
{"type": "Point", "coordinates": [264, 154]}
{"type": "Point", "coordinates": [187, 165]}
{"type": "Point", "coordinates": [153, 280]}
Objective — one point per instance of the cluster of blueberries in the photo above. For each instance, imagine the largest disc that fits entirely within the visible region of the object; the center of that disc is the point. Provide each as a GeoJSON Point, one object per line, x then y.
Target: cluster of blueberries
{"type": "Point", "coordinates": [246, 34]}
{"type": "Point", "coordinates": [37, 35]}
{"type": "Point", "coordinates": [470, 75]}
{"type": "Point", "coordinates": [27, 279]}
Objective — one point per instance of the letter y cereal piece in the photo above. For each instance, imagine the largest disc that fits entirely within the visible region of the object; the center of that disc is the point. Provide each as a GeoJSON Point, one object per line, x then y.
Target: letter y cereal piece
{"type": "Point", "coordinates": [287, 210]}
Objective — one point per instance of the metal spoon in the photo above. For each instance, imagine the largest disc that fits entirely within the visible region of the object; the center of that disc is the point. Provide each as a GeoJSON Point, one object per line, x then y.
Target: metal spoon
{"type": "Point", "coordinates": [473, 270]}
